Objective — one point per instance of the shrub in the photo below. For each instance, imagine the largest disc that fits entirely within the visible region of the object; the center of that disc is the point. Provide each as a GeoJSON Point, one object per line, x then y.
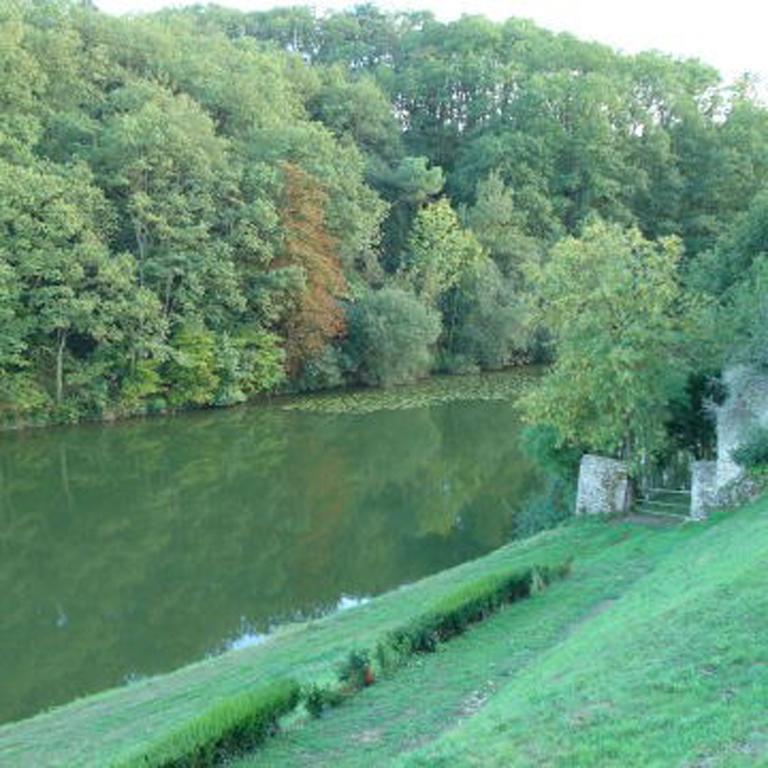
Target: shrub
{"type": "Point", "coordinates": [454, 614]}
{"type": "Point", "coordinates": [391, 336]}
{"type": "Point", "coordinates": [753, 453]}
{"type": "Point", "coordinates": [353, 672]}
{"type": "Point", "coordinates": [318, 698]}
{"type": "Point", "coordinates": [546, 509]}
{"type": "Point", "coordinates": [229, 728]}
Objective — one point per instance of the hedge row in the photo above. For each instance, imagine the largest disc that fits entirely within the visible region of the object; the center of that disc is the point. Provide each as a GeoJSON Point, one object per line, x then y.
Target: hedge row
{"type": "Point", "coordinates": [471, 604]}
{"type": "Point", "coordinates": [229, 728]}
{"type": "Point", "coordinates": [239, 725]}
{"type": "Point", "coordinates": [448, 618]}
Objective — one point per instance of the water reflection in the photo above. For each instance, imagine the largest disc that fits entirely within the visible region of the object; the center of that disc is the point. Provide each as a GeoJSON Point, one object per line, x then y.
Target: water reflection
{"type": "Point", "coordinates": [133, 549]}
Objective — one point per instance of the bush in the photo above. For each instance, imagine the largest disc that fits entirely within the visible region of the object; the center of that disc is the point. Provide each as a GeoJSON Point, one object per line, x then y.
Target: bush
{"type": "Point", "coordinates": [454, 614]}
{"type": "Point", "coordinates": [550, 507]}
{"type": "Point", "coordinates": [391, 336]}
{"type": "Point", "coordinates": [355, 670]}
{"type": "Point", "coordinates": [229, 728]}
{"type": "Point", "coordinates": [323, 371]}
{"type": "Point", "coordinates": [753, 453]}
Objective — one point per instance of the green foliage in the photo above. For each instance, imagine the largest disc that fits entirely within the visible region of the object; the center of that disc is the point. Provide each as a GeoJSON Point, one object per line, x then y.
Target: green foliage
{"type": "Point", "coordinates": [324, 371]}
{"type": "Point", "coordinates": [753, 452]}
{"type": "Point", "coordinates": [353, 671]}
{"type": "Point", "coordinates": [250, 363]}
{"type": "Point", "coordinates": [484, 320]}
{"type": "Point", "coordinates": [140, 223]}
{"type": "Point", "coordinates": [191, 368]}
{"type": "Point", "coordinates": [154, 149]}
{"type": "Point", "coordinates": [439, 251]}
{"type": "Point", "coordinates": [500, 227]}
{"type": "Point", "coordinates": [542, 443]}
{"type": "Point", "coordinates": [226, 729]}
{"type": "Point", "coordinates": [743, 318]}
{"type": "Point", "coordinates": [391, 335]}
{"type": "Point", "coordinates": [620, 330]}
{"type": "Point", "coordinates": [550, 508]}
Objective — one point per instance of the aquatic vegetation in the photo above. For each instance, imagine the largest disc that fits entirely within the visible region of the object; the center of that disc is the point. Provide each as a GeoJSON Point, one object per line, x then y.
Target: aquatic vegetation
{"type": "Point", "coordinates": [431, 392]}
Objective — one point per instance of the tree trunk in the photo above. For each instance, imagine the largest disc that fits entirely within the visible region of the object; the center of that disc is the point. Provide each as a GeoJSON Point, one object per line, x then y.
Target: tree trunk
{"type": "Point", "coordinates": [141, 244]}
{"type": "Point", "coordinates": [62, 343]}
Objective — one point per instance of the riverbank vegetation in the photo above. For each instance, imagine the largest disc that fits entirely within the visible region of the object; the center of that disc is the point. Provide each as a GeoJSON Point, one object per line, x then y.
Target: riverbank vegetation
{"type": "Point", "coordinates": [651, 652]}
{"type": "Point", "coordinates": [200, 205]}
{"type": "Point", "coordinates": [651, 626]}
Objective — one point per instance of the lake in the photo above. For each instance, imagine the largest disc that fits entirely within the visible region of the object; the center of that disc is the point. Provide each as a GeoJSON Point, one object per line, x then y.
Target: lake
{"type": "Point", "coordinates": [131, 549]}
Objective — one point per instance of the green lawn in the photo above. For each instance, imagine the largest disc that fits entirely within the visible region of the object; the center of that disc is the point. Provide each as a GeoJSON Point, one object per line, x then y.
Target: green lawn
{"type": "Point", "coordinates": [108, 728]}
{"type": "Point", "coordinates": [654, 651]}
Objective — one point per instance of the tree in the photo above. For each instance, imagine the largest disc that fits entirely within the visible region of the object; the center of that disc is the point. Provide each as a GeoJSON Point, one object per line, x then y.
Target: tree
{"type": "Point", "coordinates": [743, 318]}
{"type": "Point", "coordinates": [499, 227]}
{"type": "Point", "coordinates": [316, 317]}
{"type": "Point", "coordinates": [407, 185]}
{"type": "Point", "coordinates": [439, 251]}
{"type": "Point", "coordinates": [22, 83]}
{"type": "Point", "coordinates": [167, 171]}
{"type": "Point", "coordinates": [618, 319]}
{"type": "Point", "coordinates": [484, 321]}
{"type": "Point", "coordinates": [190, 372]}
{"type": "Point", "coordinates": [53, 228]}
{"type": "Point", "coordinates": [391, 336]}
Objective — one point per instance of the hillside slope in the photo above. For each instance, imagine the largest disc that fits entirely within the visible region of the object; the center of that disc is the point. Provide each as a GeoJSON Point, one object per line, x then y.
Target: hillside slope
{"type": "Point", "coordinates": [654, 652]}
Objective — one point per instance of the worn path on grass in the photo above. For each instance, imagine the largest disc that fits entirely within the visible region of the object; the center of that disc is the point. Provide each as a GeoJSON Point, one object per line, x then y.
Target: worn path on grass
{"type": "Point", "coordinates": [107, 728]}
{"type": "Point", "coordinates": [653, 653]}
{"type": "Point", "coordinates": [437, 692]}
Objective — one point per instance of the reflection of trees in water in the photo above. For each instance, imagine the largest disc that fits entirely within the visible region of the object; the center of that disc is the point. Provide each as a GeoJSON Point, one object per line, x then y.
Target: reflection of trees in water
{"type": "Point", "coordinates": [159, 536]}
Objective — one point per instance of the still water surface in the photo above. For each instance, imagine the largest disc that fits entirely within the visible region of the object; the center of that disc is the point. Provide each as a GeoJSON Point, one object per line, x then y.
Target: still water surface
{"type": "Point", "coordinates": [133, 549]}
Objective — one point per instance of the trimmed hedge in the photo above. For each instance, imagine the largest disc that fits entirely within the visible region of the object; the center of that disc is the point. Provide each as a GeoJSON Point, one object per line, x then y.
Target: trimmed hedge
{"type": "Point", "coordinates": [448, 618]}
{"type": "Point", "coordinates": [231, 727]}
{"type": "Point", "coordinates": [469, 605]}
{"type": "Point", "coordinates": [238, 725]}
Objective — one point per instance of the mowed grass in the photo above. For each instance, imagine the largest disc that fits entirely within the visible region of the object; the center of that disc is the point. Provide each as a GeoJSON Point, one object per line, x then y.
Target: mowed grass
{"type": "Point", "coordinates": [115, 727]}
{"type": "Point", "coordinates": [654, 652]}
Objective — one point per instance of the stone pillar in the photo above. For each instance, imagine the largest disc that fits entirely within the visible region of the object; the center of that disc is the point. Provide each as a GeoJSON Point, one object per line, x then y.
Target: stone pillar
{"type": "Point", "coordinates": [703, 488]}
{"type": "Point", "coordinates": [604, 487]}
{"type": "Point", "coordinates": [745, 407]}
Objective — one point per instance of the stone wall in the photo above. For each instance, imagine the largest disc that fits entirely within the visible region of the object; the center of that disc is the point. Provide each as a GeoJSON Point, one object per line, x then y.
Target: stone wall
{"type": "Point", "coordinates": [723, 483]}
{"type": "Point", "coordinates": [745, 407]}
{"type": "Point", "coordinates": [604, 487]}
{"type": "Point", "coordinates": [703, 488]}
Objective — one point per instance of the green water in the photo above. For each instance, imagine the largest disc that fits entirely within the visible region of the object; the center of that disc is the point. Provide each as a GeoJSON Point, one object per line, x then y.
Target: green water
{"type": "Point", "coordinates": [133, 549]}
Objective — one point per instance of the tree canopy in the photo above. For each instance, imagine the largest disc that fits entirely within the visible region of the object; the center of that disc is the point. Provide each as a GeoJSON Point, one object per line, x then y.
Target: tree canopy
{"type": "Point", "coordinates": [202, 204]}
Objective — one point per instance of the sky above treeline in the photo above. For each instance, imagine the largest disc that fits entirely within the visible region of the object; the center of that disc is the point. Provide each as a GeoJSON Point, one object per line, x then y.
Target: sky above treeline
{"type": "Point", "coordinates": [730, 35]}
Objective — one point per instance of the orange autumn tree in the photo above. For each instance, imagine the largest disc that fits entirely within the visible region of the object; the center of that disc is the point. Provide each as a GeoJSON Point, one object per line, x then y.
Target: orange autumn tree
{"type": "Point", "coordinates": [315, 317]}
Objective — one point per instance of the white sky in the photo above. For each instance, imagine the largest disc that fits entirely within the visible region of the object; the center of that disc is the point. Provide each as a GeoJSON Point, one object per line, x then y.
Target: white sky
{"type": "Point", "coordinates": [733, 35]}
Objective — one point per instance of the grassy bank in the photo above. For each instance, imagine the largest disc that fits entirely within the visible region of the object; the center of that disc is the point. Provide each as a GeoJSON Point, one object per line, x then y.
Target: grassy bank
{"type": "Point", "coordinates": [117, 726]}
{"type": "Point", "coordinates": [652, 651]}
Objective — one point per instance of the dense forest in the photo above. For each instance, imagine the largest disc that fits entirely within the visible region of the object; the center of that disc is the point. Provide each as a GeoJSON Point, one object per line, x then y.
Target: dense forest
{"type": "Point", "coordinates": [200, 205]}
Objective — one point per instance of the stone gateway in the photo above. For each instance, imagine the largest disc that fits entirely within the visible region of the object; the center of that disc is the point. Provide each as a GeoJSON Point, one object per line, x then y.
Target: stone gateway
{"type": "Point", "coordinates": [604, 487]}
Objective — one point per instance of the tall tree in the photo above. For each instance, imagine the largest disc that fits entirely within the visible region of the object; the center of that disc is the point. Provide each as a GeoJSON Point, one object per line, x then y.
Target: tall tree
{"type": "Point", "coordinates": [316, 317]}
{"type": "Point", "coordinates": [439, 251]}
{"type": "Point", "coordinates": [621, 328]}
